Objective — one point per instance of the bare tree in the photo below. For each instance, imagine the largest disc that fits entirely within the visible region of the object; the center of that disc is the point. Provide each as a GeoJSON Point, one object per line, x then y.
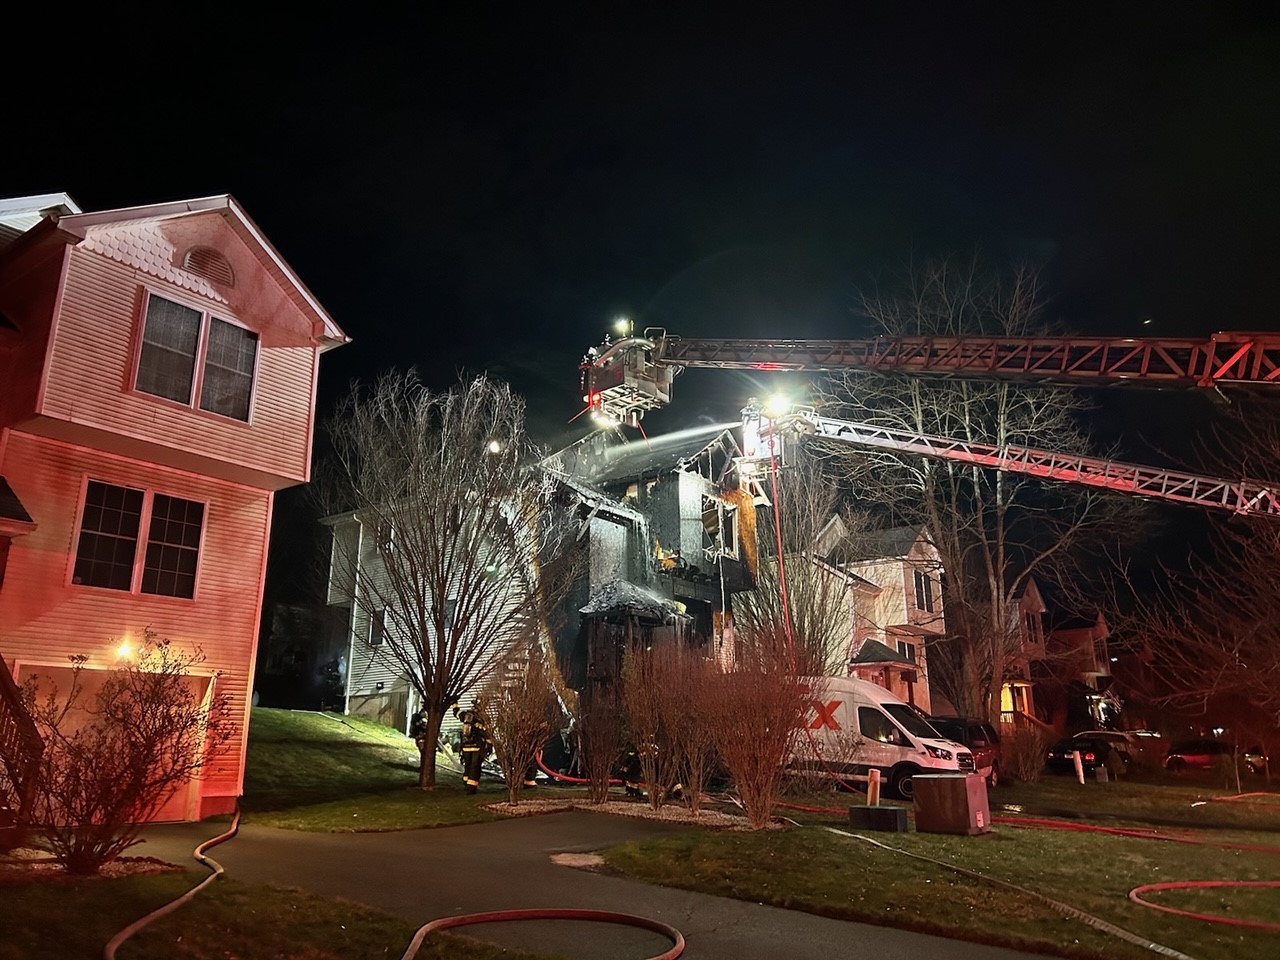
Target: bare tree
{"type": "Point", "coordinates": [1207, 629]}
{"type": "Point", "coordinates": [599, 732]}
{"type": "Point", "coordinates": [647, 681]}
{"type": "Point", "coordinates": [992, 529]}
{"type": "Point", "coordinates": [523, 711]}
{"type": "Point", "coordinates": [118, 744]}
{"type": "Point", "coordinates": [688, 687]}
{"type": "Point", "coordinates": [461, 533]}
{"type": "Point", "coordinates": [756, 713]}
{"type": "Point", "coordinates": [798, 600]}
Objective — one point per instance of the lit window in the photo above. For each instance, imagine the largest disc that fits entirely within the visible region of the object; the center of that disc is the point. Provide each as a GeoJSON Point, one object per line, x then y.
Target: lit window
{"type": "Point", "coordinates": [111, 525]}
{"type": "Point", "coordinates": [196, 359]}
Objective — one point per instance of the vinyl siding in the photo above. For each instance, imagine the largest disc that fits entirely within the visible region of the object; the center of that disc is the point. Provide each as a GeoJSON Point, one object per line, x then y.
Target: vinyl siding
{"type": "Point", "coordinates": [44, 619]}
{"type": "Point", "coordinates": [91, 369]}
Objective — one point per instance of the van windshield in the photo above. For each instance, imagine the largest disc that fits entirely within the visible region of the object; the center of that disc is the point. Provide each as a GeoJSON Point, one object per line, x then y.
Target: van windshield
{"type": "Point", "coordinates": [910, 721]}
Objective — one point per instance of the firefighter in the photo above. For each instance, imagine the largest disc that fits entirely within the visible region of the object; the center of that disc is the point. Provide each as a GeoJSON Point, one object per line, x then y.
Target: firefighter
{"type": "Point", "coordinates": [632, 776]}
{"type": "Point", "coordinates": [475, 745]}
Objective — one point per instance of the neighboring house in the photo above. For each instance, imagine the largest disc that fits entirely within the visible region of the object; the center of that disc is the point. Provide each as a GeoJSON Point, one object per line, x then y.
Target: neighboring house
{"type": "Point", "coordinates": [376, 686]}
{"type": "Point", "coordinates": [1017, 696]}
{"type": "Point", "coordinates": [159, 367]}
{"type": "Point", "coordinates": [1079, 656]}
{"type": "Point", "coordinates": [897, 605]}
{"type": "Point", "coordinates": [1060, 676]}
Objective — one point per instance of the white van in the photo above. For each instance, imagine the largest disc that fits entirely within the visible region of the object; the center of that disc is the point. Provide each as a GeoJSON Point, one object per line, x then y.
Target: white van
{"type": "Point", "coordinates": [854, 726]}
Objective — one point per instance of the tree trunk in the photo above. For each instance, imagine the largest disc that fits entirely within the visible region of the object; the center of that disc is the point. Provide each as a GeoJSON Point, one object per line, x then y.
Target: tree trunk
{"type": "Point", "coordinates": [427, 749]}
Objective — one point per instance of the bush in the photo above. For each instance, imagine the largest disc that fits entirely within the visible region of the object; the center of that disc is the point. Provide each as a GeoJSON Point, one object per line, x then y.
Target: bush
{"type": "Point", "coordinates": [113, 757]}
{"type": "Point", "coordinates": [1024, 753]}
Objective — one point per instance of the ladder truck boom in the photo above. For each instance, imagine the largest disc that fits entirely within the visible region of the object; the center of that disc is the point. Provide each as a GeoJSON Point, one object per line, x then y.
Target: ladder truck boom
{"type": "Point", "coordinates": [1238, 496]}
{"type": "Point", "coordinates": [623, 379]}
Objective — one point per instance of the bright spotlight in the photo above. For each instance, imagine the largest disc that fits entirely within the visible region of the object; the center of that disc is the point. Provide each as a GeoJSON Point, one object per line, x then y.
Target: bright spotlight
{"type": "Point", "coordinates": [124, 651]}
{"type": "Point", "coordinates": [495, 446]}
{"type": "Point", "coordinates": [622, 326]}
{"type": "Point", "coordinates": [778, 405]}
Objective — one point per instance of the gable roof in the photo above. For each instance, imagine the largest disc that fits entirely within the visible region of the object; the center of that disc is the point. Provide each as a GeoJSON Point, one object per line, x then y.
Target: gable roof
{"type": "Point", "coordinates": [873, 651]}
{"type": "Point", "coordinates": [325, 329]}
{"type": "Point", "coordinates": [20, 216]}
{"type": "Point", "coordinates": [896, 542]}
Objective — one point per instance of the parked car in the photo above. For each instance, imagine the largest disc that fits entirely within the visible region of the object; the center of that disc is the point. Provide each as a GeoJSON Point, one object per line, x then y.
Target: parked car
{"type": "Point", "coordinates": [1256, 760]}
{"type": "Point", "coordinates": [1123, 742]}
{"type": "Point", "coordinates": [980, 737]}
{"type": "Point", "coordinates": [1198, 754]}
{"type": "Point", "coordinates": [1093, 754]}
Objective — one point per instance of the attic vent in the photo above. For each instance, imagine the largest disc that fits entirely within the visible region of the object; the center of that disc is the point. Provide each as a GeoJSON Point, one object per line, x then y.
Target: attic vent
{"type": "Point", "coordinates": [210, 264]}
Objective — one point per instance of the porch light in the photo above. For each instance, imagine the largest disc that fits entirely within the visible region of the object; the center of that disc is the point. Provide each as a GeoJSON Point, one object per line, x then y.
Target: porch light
{"type": "Point", "coordinates": [124, 651]}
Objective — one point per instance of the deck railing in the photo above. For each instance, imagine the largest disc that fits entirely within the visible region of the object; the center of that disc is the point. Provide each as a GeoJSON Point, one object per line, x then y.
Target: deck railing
{"type": "Point", "coordinates": [20, 744]}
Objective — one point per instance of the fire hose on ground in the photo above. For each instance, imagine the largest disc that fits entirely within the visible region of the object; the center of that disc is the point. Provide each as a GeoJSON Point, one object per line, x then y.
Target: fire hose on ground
{"type": "Point", "coordinates": [1136, 894]}
{"type": "Point", "coordinates": [444, 923]}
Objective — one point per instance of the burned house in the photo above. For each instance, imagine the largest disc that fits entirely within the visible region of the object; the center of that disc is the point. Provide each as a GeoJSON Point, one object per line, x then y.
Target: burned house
{"type": "Point", "coordinates": [668, 528]}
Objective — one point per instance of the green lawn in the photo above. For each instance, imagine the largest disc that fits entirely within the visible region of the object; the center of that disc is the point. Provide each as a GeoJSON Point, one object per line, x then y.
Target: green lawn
{"type": "Point", "coordinates": [74, 919]}
{"type": "Point", "coordinates": [807, 867]}
{"type": "Point", "coordinates": [321, 772]}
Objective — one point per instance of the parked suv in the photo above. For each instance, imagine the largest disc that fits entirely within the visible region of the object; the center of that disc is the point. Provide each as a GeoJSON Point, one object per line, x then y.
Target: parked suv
{"type": "Point", "coordinates": [1200, 754]}
{"type": "Point", "coordinates": [1122, 742]}
{"type": "Point", "coordinates": [980, 737]}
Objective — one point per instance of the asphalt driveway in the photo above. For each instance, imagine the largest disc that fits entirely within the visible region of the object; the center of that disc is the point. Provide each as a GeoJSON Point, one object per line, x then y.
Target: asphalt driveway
{"type": "Point", "coordinates": [425, 874]}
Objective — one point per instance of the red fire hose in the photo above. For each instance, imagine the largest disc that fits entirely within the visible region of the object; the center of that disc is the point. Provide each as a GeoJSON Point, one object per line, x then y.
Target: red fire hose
{"type": "Point", "coordinates": [1135, 896]}
{"type": "Point", "coordinates": [598, 916]}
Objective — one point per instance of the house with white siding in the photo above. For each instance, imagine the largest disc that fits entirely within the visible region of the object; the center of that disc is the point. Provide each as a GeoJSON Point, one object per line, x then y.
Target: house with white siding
{"type": "Point", "coordinates": [896, 608]}
{"type": "Point", "coordinates": [159, 367]}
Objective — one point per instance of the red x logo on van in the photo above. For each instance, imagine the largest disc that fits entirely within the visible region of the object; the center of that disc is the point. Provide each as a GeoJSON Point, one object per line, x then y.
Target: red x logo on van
{"type": "Point", "coordinates": [826, 715]}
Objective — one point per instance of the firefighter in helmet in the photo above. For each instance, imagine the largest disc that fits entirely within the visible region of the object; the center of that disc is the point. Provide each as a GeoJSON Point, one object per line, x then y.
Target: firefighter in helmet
{"type": "Point", "coordinates": [475, 744]}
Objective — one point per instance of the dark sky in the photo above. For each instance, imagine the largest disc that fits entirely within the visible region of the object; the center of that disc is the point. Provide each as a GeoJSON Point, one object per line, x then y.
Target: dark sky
{"type": "Point", "coordinates": [484, 186]}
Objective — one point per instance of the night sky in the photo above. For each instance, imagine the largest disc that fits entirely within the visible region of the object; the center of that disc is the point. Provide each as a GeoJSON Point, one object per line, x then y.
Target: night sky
{"type": "Point", "coordinates": [485, 186]}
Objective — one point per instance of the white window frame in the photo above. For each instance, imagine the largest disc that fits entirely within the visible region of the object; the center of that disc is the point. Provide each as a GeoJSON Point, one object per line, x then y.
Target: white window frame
{"type": "Point", "coordinates": [924, 591]}
{"type": "Point", "coordinates": [140, 543]}
{"type": "Point", "coordinates": [207, 316]}
{"type": "Point", "coordinates": [376, 635]}
{"type": "Point", "coordinates": [907, 645]}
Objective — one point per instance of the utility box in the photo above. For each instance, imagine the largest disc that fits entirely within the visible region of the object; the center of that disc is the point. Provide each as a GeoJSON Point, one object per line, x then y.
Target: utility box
{"type": "Point", "coordinates": [885, 819]}
{"type": "Point", "coordinates": [951, 803]}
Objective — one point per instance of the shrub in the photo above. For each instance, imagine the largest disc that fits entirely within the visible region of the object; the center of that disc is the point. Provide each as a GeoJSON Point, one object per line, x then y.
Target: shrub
{"type": "Point", "coordinates": [115, 755]}
{"type": "Point", "coordinates": [1025, 752]}
{"type": "Point", "coordinates": [523, 713]}
{"type": "Point", "coordinates": [756, 713]}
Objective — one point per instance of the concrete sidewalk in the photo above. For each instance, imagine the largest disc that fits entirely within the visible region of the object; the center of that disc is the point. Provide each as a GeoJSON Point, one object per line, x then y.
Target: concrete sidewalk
{"type": "Point", "coordinates": [422, 875]}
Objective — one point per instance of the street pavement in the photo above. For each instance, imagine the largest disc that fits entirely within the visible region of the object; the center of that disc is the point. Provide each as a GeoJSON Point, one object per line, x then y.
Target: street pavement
{"type": "Point", "coordinates": [422, 875]}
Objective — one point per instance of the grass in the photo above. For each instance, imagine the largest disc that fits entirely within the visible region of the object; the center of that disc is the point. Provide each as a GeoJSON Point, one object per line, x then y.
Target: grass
{"type": "Point", "coordinates": [325, 773]}
{"type": "Point", "coordinates": [809, 868]}
{"type": "Point", "coordinates": [73, 919]}
{"type": "Point", "coordinates": [1193, 801]}
{"type": "Point", "coordinates": [335, 774]}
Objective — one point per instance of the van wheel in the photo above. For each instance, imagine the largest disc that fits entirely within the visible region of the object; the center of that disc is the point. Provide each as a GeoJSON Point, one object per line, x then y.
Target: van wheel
{"type": "Point", "coordinates": [993, 778]}
{"type": "Point", "coordinates": [900, 782]}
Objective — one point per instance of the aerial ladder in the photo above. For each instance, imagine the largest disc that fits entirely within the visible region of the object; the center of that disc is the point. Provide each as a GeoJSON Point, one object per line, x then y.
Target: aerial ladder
{"type": "Point", "coordinates": [623, 379]}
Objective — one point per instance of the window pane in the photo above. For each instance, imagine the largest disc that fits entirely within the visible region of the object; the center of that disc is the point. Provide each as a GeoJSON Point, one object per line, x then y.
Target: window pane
{"type": "Point", "coordinates": [108, 536]}
{"type": "Point", "coordinates": [228, 370]}
{"type": "Point", "coordinates": [168, 358]}
{"type": "Point", "coordinates": [173, 546]}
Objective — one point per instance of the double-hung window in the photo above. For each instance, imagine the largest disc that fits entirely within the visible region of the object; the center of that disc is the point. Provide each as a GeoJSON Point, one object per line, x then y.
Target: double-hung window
{"type": "Point", "coordinates": [138, 541]}
{"type": "Point", "coordinates": [924, 591]}
{"type": "Point", "coordinates": [191, 357]}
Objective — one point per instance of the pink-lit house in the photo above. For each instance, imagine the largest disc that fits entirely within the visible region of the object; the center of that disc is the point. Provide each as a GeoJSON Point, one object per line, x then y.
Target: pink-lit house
{"type": "Point", "coordinates": [158, 368]}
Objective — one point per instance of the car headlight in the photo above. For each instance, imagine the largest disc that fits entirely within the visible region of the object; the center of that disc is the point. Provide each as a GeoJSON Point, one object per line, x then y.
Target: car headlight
{"type": "Point", "coordinates": [937, 752]}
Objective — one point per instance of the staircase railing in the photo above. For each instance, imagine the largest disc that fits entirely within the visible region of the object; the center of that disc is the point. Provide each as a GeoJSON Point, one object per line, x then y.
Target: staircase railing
{"type": "Point", "coordinates": [20, 745]}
